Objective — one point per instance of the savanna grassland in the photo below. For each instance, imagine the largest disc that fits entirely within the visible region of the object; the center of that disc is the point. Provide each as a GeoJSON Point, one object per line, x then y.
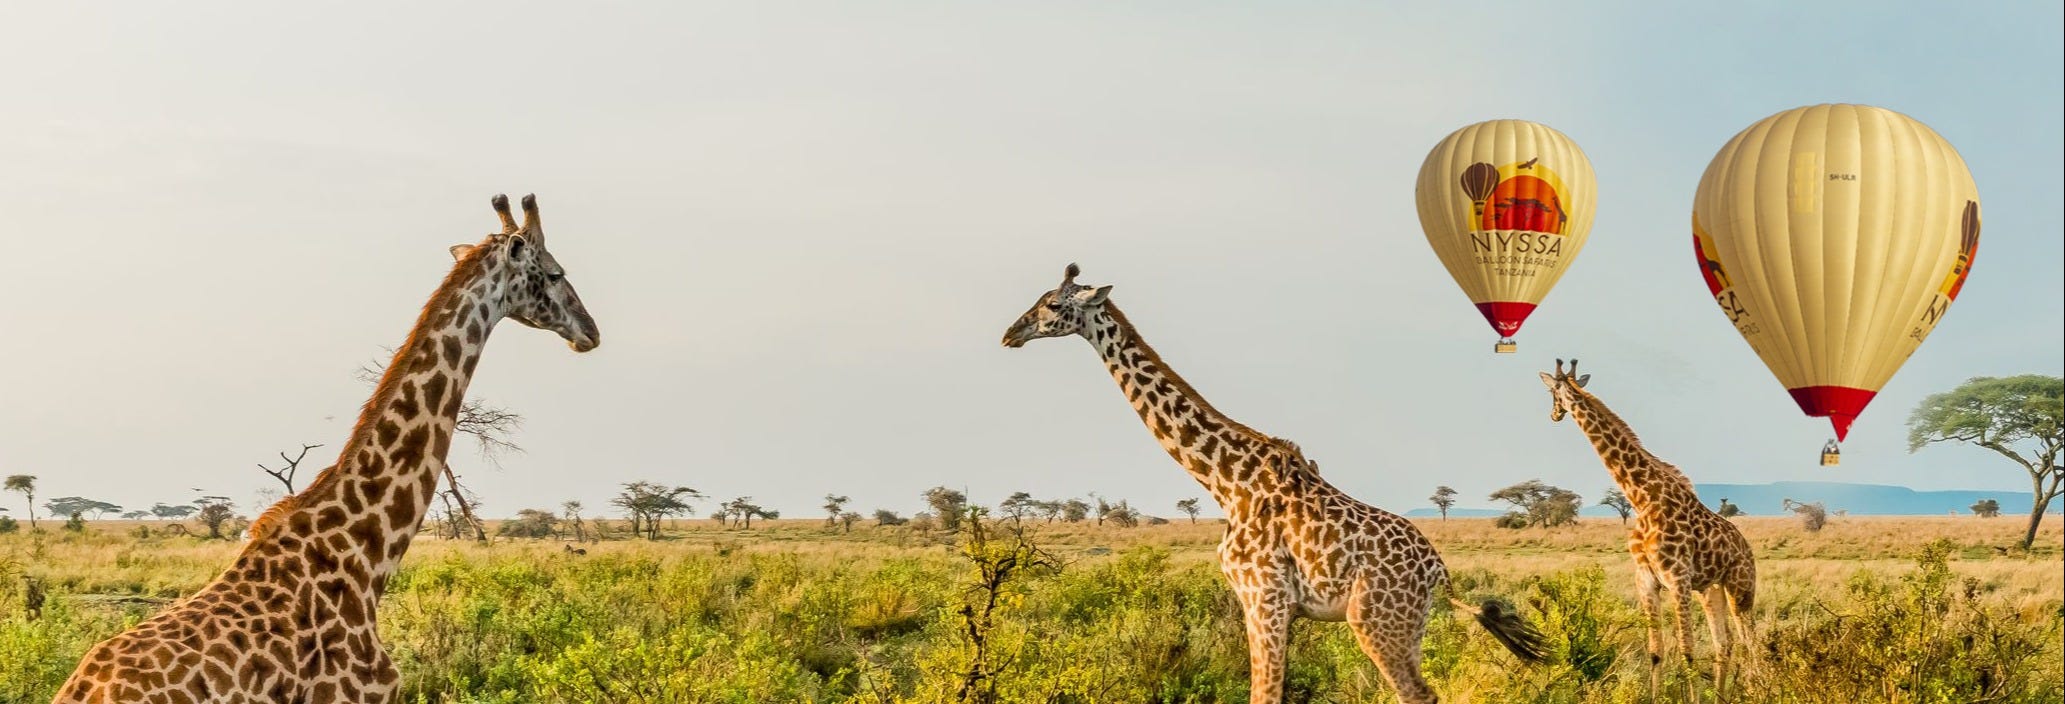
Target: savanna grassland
{"type": "Point", "coordinates": [1866, 610]}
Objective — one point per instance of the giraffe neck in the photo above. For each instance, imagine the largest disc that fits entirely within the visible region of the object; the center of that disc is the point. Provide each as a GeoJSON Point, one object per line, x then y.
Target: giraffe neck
{"type": "Point", "coordinates": [1230, 460]}
{"type": "Point", "coordinates": [361, 513]}
{"type": "Point", "coordinates": [1646, 480]}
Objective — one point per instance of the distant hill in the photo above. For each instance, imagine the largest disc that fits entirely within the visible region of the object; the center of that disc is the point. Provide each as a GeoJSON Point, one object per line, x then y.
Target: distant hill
{"type": "Point", "coordinates": [1858, 499]}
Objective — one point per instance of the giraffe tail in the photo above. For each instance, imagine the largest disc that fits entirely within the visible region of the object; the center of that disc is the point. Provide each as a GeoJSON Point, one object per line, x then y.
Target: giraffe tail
{"type": "Point", "coordinates": [1505, 625]}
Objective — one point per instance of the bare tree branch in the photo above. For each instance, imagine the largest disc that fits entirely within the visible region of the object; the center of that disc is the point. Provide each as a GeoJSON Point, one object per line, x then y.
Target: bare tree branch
{"type": "Point", "coordinates": [286, 472]}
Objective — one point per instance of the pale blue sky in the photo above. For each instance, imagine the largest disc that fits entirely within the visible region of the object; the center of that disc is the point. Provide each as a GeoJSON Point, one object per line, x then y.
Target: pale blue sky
{"type": "Point", "coordinates": [802, 227]}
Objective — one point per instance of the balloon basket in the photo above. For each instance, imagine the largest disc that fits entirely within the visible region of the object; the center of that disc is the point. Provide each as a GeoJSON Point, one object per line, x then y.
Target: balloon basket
{"type": "Point", "coordinates": [1831, 455]}
{"type": "Point", "coordinates": [1505, 346]}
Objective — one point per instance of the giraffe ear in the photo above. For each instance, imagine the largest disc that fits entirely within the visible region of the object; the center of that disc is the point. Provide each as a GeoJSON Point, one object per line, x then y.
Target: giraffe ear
{"type": "Point", "coordinates": [1582, 380]}
{"type": "Point", "coordinates": [459, 251]}
{"type": "Point", "coordinates": [1093, 296]}
{"type": "Point", "coordinates": [1548, 379]}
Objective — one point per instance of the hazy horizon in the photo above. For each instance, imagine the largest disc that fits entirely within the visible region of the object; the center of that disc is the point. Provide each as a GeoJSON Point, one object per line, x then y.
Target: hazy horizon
{"type": "Point", "coordinates": [803, 227]}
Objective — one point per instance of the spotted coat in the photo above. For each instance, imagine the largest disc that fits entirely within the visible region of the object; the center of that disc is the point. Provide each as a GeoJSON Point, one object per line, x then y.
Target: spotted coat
{"type": "Point", "coordinates": [1678, 544]}
{"type": "Point", "coordinates": [294, 618]}
{"type": "Point", "coordinates": [1295, 546]}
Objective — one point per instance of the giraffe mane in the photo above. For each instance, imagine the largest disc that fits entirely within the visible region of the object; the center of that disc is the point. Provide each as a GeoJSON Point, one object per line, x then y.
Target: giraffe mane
{"type": "Point", "coordinates": [1205, 406]}
{"type": "Point", "coordinates": [369, 414]}
{"type": "Point", "coordinates": [1597, 407]}
{"type": "Point", "coordinates": [276, 514]}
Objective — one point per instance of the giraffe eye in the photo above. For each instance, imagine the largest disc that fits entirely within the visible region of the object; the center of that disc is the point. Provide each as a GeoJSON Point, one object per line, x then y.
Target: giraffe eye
{"type": "Point", "coordinates": [554, 278]}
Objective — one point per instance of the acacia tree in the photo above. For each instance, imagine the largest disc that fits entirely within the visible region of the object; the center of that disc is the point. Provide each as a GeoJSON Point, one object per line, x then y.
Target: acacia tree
{"type": "Point", "coordinates": [648, 502]}
{"type": "Point", "coordinates": [1075, 511]}
{"type": "Point", "coordinates": [1189, 508]}
{"type": "Point", "coordinates": [1443, 498]}
{"type": "Point", "coordinates": [834, 505]}
{"type": "Point", "coordinates": [1986, 508]}
{"type": "Point", "coordinates": [948, 504]}
{"type": "Point", "coordinates": [213, 512]}
{"type": "Point", "coordinates": [571, 511]}
{"type": "Point", "coordinates": [26, 486]}
{"type": "Point", "coordinates": [174, 512]}
{"type": "Point", "coordinates": [1619, 503]}
{"type": "Point", "coordinates": [530, 523]}
{"type": "Point", "coordinates": [1540, 504]}
{"type": "Point", "coordinates": [2021, 418]}
{"type": "Point", "coordinates": [75, 505]}
{"type": "Point", "coordinates": [745, 510]}
{"type": "Point", "coordinates": [1017, 506]}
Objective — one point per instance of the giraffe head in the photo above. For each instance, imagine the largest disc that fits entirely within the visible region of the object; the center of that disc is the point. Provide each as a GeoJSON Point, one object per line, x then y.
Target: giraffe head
{"type": "Point", "coordinates": [534, 288]}
{"type": "Point", "coordinates": [1059, 312]}
{"type": "Point", "coordinates": [1564, 389]}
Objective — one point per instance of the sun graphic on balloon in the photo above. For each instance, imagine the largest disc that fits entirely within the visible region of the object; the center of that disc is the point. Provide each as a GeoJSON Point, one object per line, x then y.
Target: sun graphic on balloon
{"type": "Point", "coordinates": [1523, 195]}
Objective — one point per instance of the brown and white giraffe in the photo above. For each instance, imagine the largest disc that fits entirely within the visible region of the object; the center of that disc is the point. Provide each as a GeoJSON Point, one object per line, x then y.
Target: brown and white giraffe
{"type": "Point", "coordinates": [293, 620]}
{"type": "Point", "coordinates": [1678, 544]}
{"type": "Point", "coordinates": [1295, 546]}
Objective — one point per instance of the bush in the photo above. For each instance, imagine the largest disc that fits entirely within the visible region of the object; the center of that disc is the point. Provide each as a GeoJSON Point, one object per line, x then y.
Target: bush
{"type": "Point", "coordinates": [75, 524]}
{"type": "Point", "coordinates": [1812, 516]}
{"type": "Point", "coordinates": [1986, 508]}
{"type": "Point", "coordinates": [1927, 636]}
{"type": "Point", "coordinates": [1513, 519]}
{"type": "Point", "coordinates": [9, 525]}
{"type": "Point", "coordinates": [1729, 510]}
{"type": "Point", "coordinates": [530, 523]}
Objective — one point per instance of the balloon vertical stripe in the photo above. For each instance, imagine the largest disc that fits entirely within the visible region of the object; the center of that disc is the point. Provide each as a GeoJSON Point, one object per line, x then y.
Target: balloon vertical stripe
{"type": "Point", "coordinates": [1834, 238]}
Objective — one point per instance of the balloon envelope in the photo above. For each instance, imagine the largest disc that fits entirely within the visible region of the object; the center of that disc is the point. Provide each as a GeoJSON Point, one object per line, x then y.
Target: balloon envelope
{"type": "Point", "coordinates": [1835, 237]}
{"type": "Point", "coordinates": [1506, 204]}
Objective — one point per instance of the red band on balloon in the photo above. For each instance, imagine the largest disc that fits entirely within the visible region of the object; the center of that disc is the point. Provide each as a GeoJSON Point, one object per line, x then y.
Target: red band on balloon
{"type": "Point", "coordinates": [1505, 317]}
{"type": "Point", "coordinates": [1840, 404]}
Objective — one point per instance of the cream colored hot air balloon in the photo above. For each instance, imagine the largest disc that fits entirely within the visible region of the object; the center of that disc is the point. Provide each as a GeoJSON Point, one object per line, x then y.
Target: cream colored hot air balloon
{"type": "Point", "coordinates": [1835, 237]}
{"type": "Point", "coordinates": [1506, 205]}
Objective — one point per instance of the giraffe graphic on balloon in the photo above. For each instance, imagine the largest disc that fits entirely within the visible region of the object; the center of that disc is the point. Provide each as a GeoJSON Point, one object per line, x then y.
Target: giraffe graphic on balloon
{"type": "Point", "coordinates": [1522, 197]}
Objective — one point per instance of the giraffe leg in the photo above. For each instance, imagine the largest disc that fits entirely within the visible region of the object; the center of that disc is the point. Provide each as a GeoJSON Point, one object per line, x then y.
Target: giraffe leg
{"type": "Point", "coordinates": [1267, 615]}
{"type": "Point", "coordinates": [1683, 602]}
{"type": "Point", "coordinates": [1714, 601]}
{"type": "Point", "coordinates": [1390, 635]}
{"type": "Point", "coordinates": [1647, 598]}
{"type": "Point", "coordinates": [1741, 599]}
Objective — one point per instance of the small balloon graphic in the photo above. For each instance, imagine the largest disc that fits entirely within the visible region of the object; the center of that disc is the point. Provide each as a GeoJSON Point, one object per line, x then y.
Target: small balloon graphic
{"type": "Point", "coordinates": [1478, 180]}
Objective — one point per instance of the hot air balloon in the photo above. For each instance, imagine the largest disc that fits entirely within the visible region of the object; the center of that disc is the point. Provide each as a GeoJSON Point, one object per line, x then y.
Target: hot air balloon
{"type": "Point", "coordinates": [1835, 237]}
{"type": "Point", "coordinates": [1506, 205]}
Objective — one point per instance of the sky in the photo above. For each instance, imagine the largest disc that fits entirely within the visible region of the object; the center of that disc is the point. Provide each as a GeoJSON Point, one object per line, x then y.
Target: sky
{"type": "Point", "coordinates": [803, 226]}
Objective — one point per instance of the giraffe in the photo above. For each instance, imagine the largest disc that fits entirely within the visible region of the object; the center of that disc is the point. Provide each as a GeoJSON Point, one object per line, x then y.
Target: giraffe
{"type": "Point", "coordinates": [1677, 543]}
{"type": "Point", "coordinates": [293, 619]}
{"type": "Point", "coordinates": [1295, 546]}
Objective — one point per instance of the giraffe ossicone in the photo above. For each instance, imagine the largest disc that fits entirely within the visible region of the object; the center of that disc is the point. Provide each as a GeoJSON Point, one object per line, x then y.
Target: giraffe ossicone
{"type": "Point", "coordinates": [1295, 545]}
{"type": "Point", "coordinates": [294, 618]}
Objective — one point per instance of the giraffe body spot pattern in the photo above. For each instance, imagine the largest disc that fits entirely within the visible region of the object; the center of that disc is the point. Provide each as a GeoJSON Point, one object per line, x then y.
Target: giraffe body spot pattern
{"type": "Point", "coordinates": [294, 619]}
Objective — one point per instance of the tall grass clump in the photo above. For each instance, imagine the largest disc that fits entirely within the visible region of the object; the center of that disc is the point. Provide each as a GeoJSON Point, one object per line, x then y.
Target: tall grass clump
{"type": "Point", "coordinates": [1924, 636]}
